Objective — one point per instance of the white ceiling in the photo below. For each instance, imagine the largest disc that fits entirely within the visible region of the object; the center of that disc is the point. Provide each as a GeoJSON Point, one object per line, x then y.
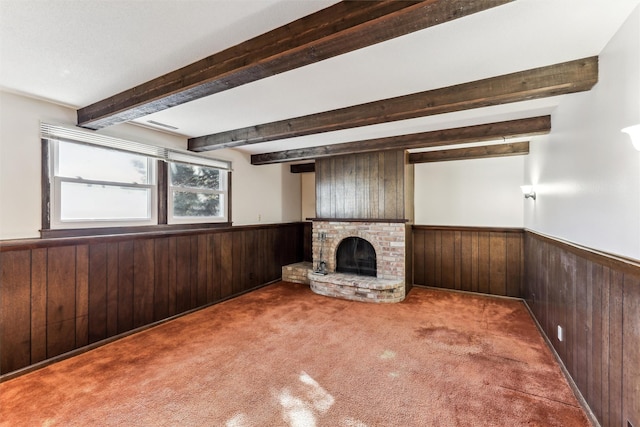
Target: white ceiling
{"type": "Point", "coordinates": [77, 52]}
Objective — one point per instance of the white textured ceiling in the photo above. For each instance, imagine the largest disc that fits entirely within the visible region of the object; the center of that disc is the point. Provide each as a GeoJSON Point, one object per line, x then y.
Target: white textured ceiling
{"type": "Point", "coordinates": [77, 52]}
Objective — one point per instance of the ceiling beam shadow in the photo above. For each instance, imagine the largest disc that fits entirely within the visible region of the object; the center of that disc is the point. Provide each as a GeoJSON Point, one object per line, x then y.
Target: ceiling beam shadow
{"type": "Point", "coordinates": [567, 77]}
{"type": "Point", "coordinates": [486, 132]}
{"type": "Point", "coordinates": [483, 152]}
{"type": "Point", "coordinates": [341, 28]}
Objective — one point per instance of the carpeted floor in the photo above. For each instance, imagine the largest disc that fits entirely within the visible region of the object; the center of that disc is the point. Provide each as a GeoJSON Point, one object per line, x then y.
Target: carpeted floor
{"type": "Point", "coordinates": [283, 356]}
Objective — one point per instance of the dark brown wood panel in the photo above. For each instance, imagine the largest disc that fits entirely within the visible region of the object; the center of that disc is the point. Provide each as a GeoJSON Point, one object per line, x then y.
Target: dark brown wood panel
{"type": "Point", "coordinates": [595, 298]}
{"type": "Point", "coordinates": [143, 282]}
{"type": "Point", "coordinates": [15, 311]}
{"type": "Point", "coordinates": [97, 292]}
{"type": "Point", "coordinates": [481, 152]}
{"type": "Point", "coordinates": [475, 259]}
{"type": "Point", "coordinates": [38, 305]}
{"type": "Point", "coordinates": [57, 298]}
{"type": "Point", "coordinates": [82, 295]}
{"type": "Point", "coordinates": [362, 186]}
{"type": "Point", "coordinates": [61, 300]}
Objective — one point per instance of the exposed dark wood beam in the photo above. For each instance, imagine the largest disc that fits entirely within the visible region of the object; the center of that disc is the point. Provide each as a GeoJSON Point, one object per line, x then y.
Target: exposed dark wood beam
{"type": "Point", "coordinates": [563, 78]}
{"type": "Point", "coordinates": [338, 29]}
{"type": "Point", "coordinates": [485, 151]}
{"type": "Point", "coordinates": [478, 133]}
{"type": "Point", "coordinates": [303, 168]}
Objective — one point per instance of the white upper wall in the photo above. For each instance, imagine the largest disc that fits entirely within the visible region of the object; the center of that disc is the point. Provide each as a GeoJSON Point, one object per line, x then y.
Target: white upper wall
{"type": "Point", "coordinates": [479, 192]}
{"type": "Point", "coordinates": [267, 194]}
{"type": "Point", "coordinates": [585, 172]}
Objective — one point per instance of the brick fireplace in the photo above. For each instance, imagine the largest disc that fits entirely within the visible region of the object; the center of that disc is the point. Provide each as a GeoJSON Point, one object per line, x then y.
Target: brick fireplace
{"type": "Point", "coordinates": [388, 239]}
{"type": "Point", "coordinates": [367, 196]}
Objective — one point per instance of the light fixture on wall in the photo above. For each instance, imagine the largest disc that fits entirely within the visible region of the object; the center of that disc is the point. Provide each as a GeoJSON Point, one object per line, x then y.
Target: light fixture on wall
{"type": "Point", "coordinates": [634, 134]}
{"type": "Point", "coordinates": [528, 192]}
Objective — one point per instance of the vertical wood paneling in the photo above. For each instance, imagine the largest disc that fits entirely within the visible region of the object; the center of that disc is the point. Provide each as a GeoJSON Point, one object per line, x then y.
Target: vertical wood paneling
{"type": "Point", "coordinates": [161, 279]}
{"type": "Point", "coordinates": [470, 259]}
{"type": "Point", "coordinates": [418, 258]}
{"type": "Point", "coordinates": [57, 299]}
{"type": "Point", "coordinates": [484, 262]}
{"type": "Point", "coordinates": [615, 348]}
{"type": "Point", "coordinates": [596, 299]}
{"type": "Point", "coordinates": [498, 264]}
{"type": "Point", "coordinates": [15, 315]}
{"type": "Point", "coordinates": [631, 349]}
{"type": "Point", "coordinates": [82, 295]}
{"type": "Point", "coordinates": [112, 289]}
{"type": "Point", "coordinates": [513, 264]}
{"type": "Point", "coordinates": [183, 274]}
{"type": "Point", "coordinates": [125, 286]}
{"type": "Point", "coordinates": [38, 305]}
{"type": "Point", "coordinates": [97, 292]}
{"type": "Point", "coordinates": [61, 300]}
{"type": "Point", "coordinates": [226, 248]}
{"type": "Point", "coordinates": [365, 185]}
{"type": "Point", "coordinates": [447, 260]}
{"type": "Point", "coordinates": [143, 282]}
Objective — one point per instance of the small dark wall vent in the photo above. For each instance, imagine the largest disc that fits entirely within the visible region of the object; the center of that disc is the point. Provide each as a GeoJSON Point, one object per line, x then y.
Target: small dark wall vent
{"type": "Point", "coordinates": [356, 256]}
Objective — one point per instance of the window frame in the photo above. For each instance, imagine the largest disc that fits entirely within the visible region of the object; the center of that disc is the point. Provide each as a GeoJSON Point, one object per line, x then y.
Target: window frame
{"type": "Point", "coordinates": [157, 156]}
{"type": "Point", "coordinates": [56, 221]}
{"type": "Point", "coordinates": [171, 219]}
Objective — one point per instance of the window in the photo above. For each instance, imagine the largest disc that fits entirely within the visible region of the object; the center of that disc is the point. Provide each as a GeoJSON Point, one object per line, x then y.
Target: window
{"type": "Point", "coordinates": [99, 187]}
{"type": "Point", "coordinates": [196, 194]}
{"type": "Point", "coordinates": [94, 181]}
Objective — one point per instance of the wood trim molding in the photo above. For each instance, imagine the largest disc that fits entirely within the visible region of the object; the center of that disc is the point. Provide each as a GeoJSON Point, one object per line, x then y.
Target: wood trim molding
{"type": "Point", "coordinates": [377, 220]}
{"type": "Point", "coordinates": [338, 29]}
{"type": "Point", "coordinates": [485, 132]}
{"type": "Point", "coordinates": [623, 264]}
{"type": "Point", "coordinates": [175, 230]}
{"type": "Point", "coordinates": [567, 77]}
{"type": "Point", "coordinates": [483, 152]}
{"type": "Point", "coordinates": [468, 228]}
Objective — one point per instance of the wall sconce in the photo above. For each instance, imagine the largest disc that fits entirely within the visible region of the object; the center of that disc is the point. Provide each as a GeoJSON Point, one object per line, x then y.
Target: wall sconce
{"type": "Point", "coordinates": [634, 134]}
{"type": "Point", "coordinates": [528, 192]}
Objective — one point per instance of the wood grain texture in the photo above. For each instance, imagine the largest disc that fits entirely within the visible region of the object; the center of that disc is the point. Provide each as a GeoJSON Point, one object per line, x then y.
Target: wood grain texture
{"type": "Point", "coordinates": [59, 298]}
{"type": "Point", "coordinates": [15, 315]}
{"type": "Point", "coordinates": [595, 298]}
{"type": "Point", "coordinates": [474, 259]}
{"type": "Point", "coordinates": [486, 132]}
{"type": "Point", "coordinates": [568, 77]}
{"type": "Point", "coordinates": [338, 29]}
{"type": "Point", "coordinates": [482, 152]}
{"type": "Point", "coordinates": [362, 186]}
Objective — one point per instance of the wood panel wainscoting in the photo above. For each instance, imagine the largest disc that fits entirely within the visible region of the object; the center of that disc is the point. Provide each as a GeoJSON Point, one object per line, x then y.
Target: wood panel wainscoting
{"type": "Point", "coordinates": [595, 298]}
{"type": "Point", "coordinates": [61, 295]}
{"type": "Point", "coordinates": [475, 259]}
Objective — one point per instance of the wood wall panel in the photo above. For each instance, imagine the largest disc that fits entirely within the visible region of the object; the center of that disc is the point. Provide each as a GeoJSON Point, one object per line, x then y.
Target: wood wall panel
{"type": "Point", "coordinates": [596, 299]}
{"type": "Point", "coordinates": [15, 277]}
{"type": "Point", "coordinates": [362, 186]}
{"type": "Point", "coordinates": [57, 296]}
{"type": "Point", "coordinates": [474, 259]}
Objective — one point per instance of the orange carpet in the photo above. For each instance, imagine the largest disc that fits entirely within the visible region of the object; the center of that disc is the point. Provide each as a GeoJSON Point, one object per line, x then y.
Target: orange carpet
{"type": "Point", "coordinates": [283, 356]}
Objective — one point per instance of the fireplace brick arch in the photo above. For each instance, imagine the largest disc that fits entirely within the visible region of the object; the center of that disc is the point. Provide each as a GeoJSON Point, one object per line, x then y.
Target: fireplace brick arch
{"type": "Point", "coordinates": [388, 240]}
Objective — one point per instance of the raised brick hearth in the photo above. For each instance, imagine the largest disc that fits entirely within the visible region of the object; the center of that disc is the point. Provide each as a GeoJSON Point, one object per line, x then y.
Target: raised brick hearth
{"type": "Point", "coordinates": [388, 240]}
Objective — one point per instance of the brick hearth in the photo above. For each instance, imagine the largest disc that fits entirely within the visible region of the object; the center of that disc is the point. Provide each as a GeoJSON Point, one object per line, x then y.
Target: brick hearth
{"type": "Point", "coordinates": [388, 240]}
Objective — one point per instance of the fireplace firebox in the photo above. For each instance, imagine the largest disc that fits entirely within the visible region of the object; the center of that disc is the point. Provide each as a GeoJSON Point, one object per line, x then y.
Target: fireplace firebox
{"type": "Point", "coordinates": [356, 256]}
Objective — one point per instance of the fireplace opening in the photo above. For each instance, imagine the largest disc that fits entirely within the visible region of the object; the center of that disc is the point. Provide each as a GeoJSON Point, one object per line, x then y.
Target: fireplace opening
{"type": "Point", "coordinates": [356, 256]}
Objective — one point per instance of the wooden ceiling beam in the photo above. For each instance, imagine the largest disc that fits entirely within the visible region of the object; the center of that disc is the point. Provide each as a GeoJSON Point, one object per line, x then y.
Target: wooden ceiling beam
{"type": "Point", "coordinates": [567, 77]}
{"type": "Point", "coordinates": [483, 152]}
{"type": "Point", "coordinates": [338, 29]}
{"type": "Point", "coordinates": [303, 168]}
{"type": "Point", "coordinates": [478, 133]}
